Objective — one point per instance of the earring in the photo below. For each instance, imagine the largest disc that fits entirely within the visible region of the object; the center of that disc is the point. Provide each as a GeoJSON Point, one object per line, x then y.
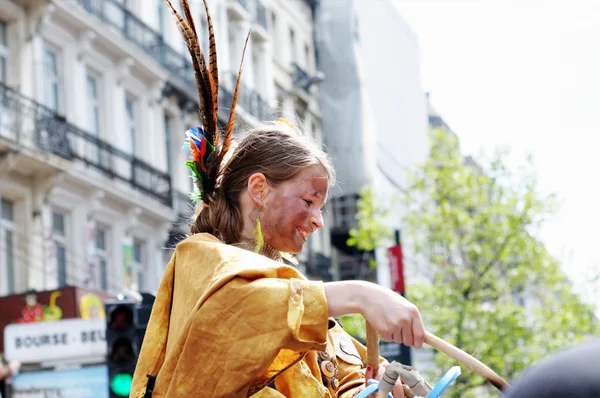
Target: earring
{"type": "Point", "coordinates": [258, 236]}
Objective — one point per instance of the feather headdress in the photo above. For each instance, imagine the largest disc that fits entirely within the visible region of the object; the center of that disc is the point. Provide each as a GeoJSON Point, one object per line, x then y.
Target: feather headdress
{"type": "Point", "coordinates": [207, 152]}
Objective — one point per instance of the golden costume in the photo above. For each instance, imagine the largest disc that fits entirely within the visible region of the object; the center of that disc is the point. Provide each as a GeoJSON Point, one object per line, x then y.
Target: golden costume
{"type": "Point", "coordinates": [235, 322]}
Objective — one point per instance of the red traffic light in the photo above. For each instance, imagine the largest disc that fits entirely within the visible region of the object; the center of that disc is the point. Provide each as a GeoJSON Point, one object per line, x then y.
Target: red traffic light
{"type": "Point", "coordinates": [121, 318]}
{"type": "Point", "coordinates": [121, 351]}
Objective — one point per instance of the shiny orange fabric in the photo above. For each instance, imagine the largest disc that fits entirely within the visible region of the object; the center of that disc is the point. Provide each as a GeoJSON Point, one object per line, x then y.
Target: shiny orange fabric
{"type": "Point", "coordinates": [226, 322]}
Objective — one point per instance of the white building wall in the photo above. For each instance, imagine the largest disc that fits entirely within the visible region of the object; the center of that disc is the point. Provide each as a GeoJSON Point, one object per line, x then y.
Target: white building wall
{"type": "Point", "coordinates": [374, 109]}
{"type": "Point", "coordinates": [392, 79]}
{"type": "Point", "coordinates": [88, 198]}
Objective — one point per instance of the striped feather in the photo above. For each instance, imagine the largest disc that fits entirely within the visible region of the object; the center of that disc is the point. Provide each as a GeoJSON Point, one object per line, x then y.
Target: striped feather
{"type": "Point", "coordinates": [228, 139]}
{"type": "Point", "coordinates": [212, 64]}
{"type": "Point", "coordinates": [203, 87]}
{"type": "Point", "coordinates": [188, 16]}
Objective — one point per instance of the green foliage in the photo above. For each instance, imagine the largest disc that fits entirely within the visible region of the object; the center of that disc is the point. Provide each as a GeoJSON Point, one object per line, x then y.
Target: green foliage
{"type": "Point", "coordinates": [370, 234]}
{"type": "Point", "coordinates": [354, 324]}
{"type": "Point", "coordinates": [371, 231]}
{"type": "Point", "coordinates": [491, 287]}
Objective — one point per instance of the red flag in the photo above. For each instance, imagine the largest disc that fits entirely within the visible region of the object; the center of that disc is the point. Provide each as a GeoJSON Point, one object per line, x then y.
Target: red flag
{"type": "Point", "coordinates": [396, 268]}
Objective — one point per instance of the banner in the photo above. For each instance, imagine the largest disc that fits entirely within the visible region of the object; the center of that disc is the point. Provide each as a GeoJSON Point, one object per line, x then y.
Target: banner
{"type": "Point", "coordinates": [396, 268]}
{"type": "Point", "coordinates": [127, 247]}
{"type": "Point", "coordinates": [89, 382]}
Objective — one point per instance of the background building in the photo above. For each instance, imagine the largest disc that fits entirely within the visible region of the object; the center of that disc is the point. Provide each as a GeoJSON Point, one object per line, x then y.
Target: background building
{"type": "Point", "coordinates": [374, 112]}
{"type": "Point", "coordinates": [95, 97]}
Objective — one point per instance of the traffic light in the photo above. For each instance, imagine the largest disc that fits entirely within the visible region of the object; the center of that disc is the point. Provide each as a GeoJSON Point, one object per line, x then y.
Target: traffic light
{"type": "Point", "coordinates": [126, 323]}
{"type": "Point", "coordinates": [122, 347]}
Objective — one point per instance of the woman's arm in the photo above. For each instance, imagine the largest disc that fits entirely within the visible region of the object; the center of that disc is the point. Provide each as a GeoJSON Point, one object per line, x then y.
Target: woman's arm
{"type": "Point", "coordinates": [394, 317]}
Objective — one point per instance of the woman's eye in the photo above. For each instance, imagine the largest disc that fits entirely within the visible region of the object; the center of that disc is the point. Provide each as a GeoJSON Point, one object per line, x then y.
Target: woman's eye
{"type": "Point", "coordinates": [308, 202]}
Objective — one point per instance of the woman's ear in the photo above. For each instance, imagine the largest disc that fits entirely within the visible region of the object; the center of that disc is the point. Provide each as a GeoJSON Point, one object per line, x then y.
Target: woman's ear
{"type": "Point", "coordinates": [258, 187]}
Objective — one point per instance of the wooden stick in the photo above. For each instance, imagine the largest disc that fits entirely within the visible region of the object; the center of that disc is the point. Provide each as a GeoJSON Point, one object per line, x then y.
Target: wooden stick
{"type": "Point", "coordinates": [467, 360]}
{"type": "Point", "coordinates": [443, 346]}
{"type": "Point", "coordinates": [373, 348]}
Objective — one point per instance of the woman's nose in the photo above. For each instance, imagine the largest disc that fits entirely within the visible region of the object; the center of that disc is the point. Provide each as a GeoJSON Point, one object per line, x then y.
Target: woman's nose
{"type": "Point", "coordinates": [317, 219]}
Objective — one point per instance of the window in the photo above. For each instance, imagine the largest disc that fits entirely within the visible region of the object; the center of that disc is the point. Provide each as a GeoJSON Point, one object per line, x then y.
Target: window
{"type": "Point", "coordinates": [274, 36]}
{"type": "Point", "coordinates": [160, 5]}
{"type": "Point", "coordinates": [292, 46]}
{"type": "Point", "coordinates": [307, 57]}
{"type": "Point", "coordinates": [51, 79]}
{"type": "Point", "coordinates": [168, 123]}
{"type": "Point", "coordinates": [130, 122]}
{"type": "Point", "coordinates": [59, 235]}
{"type": "Point", "coordinates": [102, 257]}
{"type": "Point", "coordinates": [7, 246]}
{"type": "Point", "coordinates": [136, 272]}
{"type": "Point", "coordinates": [273, 24]}
{"type": "Point", "coordinates": [93, 112]}
{"type": "Point", "coordinates": [3, 52]}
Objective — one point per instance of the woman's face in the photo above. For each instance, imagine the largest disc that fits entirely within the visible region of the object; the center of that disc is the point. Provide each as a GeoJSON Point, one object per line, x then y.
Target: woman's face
{"type": "Point", "coordinates": [292, 210]}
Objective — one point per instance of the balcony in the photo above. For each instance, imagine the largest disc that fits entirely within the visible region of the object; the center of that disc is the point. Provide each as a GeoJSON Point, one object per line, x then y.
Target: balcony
{"type": "Point", "coordinates": [301, 78]}
{"type": "Point", "coordinates": [118, 18]}
{"type": "Point", "coordinates": [26, 125]}
{"type": "Point", "coordinates": [183, 205]}
{"type": "Point", "coordinates": [249, 100]}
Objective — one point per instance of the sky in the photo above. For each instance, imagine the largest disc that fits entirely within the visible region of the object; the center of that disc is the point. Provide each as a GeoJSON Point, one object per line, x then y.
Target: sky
{"type": "Point", "coordinates": [524, 75]}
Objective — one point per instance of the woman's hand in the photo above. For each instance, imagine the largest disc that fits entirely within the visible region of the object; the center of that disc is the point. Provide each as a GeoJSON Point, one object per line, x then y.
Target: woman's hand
{"type": "Point", "coordinates": [394, 317]}
{"type": "Point", "coordinates": [397, 391]}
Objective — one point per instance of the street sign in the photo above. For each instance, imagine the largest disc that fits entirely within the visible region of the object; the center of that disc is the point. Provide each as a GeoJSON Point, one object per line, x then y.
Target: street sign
{"type": "Point", "coordinates": [55, 341]}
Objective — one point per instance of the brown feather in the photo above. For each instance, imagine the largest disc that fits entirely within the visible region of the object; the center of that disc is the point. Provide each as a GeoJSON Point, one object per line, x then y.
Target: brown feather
{"type": "Point", "coordinates": [188, 16]}
{"type": "Point", "coordinates": [228, 139]}
{"type": "Point", "coordinates": [210, 112]}
{"type": "Point", "coordinates": [212, 65]}
{"type": "Point", "coordinates": [203, 88]}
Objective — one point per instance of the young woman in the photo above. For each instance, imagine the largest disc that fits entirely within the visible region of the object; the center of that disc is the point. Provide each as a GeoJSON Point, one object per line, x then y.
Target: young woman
{"type": "Point", "coordinates": [230, 318]}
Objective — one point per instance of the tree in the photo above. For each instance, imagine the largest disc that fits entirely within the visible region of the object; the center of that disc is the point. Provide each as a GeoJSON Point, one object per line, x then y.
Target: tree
{"type": "Point", "coordinates": [488, 285]}
{"type": "Point", "coordinates": [371, 232]}
{"type": "Point", "coordinates": [370, 217]}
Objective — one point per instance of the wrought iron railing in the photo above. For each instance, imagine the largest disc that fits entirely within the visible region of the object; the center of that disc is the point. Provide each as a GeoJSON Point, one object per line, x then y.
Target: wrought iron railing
{"type": "Point", "coordinates": [183, 205]}
{"type": "Point", "coordinates": [250, 100]}
{"type": "Point", "coordinates": [118, 18]}
{"type": "Point", "coordinates": [26, 123]}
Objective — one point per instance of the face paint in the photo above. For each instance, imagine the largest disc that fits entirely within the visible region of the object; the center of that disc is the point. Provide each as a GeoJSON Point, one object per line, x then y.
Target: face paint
{"type": "Point", "coordinates": [292, 210]}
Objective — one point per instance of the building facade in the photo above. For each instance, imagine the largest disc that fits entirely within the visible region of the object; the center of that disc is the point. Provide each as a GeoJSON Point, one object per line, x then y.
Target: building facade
{"type": "Point", "coordinates": [375, 113]}
{"type": "Point", "coordinates": [95, 97]}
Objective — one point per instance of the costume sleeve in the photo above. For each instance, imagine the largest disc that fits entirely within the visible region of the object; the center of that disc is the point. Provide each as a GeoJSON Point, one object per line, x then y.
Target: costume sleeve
{"type": "Point", "coordinates": [249, 331]}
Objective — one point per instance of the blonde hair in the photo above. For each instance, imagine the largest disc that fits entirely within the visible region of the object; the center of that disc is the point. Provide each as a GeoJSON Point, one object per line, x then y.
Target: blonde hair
{"type": "Point", "coordinates": [276, 150]}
